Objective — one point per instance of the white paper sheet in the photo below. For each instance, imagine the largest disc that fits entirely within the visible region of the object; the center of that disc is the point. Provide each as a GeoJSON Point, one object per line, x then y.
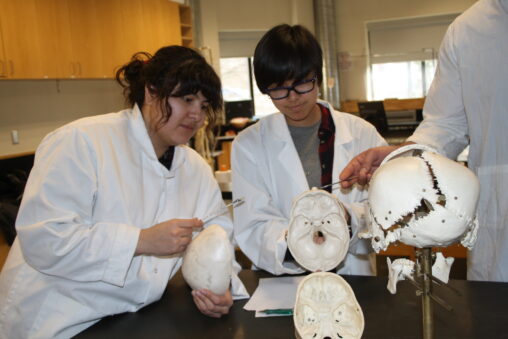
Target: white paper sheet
{"type": "Point", "coordinates": [274, 294]}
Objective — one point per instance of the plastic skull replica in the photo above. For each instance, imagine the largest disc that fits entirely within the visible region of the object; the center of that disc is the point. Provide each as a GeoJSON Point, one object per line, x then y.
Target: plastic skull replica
{"type": "Point", "coordinates": [208, 261]}
{"type": "Point", "coordinates": [318, 236]}
{"type": "Point", "coordinates": [422, 199]}
{"type": "Point", "coordinates": [326, 307]}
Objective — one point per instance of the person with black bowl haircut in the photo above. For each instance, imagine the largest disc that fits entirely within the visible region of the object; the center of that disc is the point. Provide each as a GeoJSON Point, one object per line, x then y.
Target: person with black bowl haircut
{"type": "Point", "coordinates": [287, 153]}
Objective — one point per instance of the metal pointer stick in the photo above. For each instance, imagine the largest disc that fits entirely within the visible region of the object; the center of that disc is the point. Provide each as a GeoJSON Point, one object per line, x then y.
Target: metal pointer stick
{"type": "Point", "coordinates": [337, 182]}
{"type": "Point", "coordinates": [234, 203]}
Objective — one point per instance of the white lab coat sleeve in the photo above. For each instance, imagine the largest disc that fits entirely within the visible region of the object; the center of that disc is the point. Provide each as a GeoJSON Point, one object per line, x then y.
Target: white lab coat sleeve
{"type": "Point", "coordinates": [358, 224]}
{"type": "Point", "coordinates": [445, 125]}
{"type": "Point", "coordinates": [55, 221]}
{"type": "Point", "coordinates": [210, 198]}
{"type": "Point", "coordinates": [357, 209]}
{"type": "Point", "coordinates": [260, 227]}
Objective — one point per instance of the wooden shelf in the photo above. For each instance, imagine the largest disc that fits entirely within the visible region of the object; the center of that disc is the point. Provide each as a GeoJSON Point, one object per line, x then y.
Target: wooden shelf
{"type": "Point", "coordinates": [186, 25]}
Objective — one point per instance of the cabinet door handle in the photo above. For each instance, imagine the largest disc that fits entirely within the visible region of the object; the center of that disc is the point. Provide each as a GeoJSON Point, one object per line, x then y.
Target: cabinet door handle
{"type": "Point", "coordinates": [12, 67]}
{"type": "Point", "coordinates": [79, 68]}
{"type": "Point", "coordinates": [2, 71]}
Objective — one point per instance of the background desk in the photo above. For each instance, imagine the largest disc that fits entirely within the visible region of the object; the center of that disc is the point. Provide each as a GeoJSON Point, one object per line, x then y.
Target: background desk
{"type": "Point", "coordinates": [481, 312]}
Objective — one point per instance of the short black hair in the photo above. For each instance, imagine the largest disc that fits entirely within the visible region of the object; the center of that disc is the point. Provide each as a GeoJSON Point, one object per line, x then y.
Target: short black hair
{"type": "Point", "coordinates": [287, 53]}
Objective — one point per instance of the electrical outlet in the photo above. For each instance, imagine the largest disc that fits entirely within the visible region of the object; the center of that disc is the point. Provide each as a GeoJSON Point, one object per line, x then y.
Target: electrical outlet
{"type": "Point", "coordinates": [14, 137]}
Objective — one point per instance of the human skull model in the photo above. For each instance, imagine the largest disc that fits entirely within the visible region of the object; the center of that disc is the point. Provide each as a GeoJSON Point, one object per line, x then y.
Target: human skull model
{"type": "Point", "coordinates": [318, 236]}
{"type": "Point", "coordinates": [208, 261]}
{"type": "Point", "coordinates": [326, 307]}
{"type": "Point", "coordinates": [422, 199]}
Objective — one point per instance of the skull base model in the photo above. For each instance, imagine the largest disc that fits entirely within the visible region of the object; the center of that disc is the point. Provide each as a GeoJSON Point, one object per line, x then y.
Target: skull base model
{"type": "Point", "coordinates": [318, 235]}
{"type": "Point", "coordinates": [326, 307]}
{"type": "Point", "coordinates": [208, 261]}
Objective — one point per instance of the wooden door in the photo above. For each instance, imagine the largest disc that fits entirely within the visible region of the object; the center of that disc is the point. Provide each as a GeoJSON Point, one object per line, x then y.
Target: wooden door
{"type": "Point", "coordinates": [150, 25]}
{"type": "Point", "coordinates": [141, 26]}
{"type": "Point", "coordinates": [85, 27]}
{"type": "Point", "coordinates": [31, 38]}
{"type": "Point", "coordinates": [161, 24]}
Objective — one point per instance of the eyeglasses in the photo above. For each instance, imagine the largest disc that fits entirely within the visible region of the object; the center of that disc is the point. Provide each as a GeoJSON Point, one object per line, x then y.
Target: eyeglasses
{"type": "Point", "coordinates": [301, 87]}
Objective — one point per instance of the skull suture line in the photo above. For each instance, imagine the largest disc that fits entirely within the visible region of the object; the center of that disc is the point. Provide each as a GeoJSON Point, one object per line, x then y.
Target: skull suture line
{"type": "Point", "coordinates": [318, 235]}
{"type": "Point", "coordinates": [326, 307]}
{"type": "Point", "coordinates": [208, 261]}
{"type": "Point", "coordinates": [422, 199]}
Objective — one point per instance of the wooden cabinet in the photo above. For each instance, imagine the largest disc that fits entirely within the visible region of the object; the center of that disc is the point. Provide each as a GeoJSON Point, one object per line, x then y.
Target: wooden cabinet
{"type": "Point", "coordinates": [107, 33]}
{"type": "Point", "coordinates": [186, 26]}
{"type": "Point", "coordinates": [81, 38]}
{"type": "Point", "coordinates": [154, 24]}
{"type": "Point", "coordinates": [32, 38]}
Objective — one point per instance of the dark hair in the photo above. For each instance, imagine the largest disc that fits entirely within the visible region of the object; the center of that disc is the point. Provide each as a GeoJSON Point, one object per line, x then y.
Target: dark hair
{"type": "Point", "coordinates": [172, 71]}
{"type": "Point", "coordinates": [287, 53]}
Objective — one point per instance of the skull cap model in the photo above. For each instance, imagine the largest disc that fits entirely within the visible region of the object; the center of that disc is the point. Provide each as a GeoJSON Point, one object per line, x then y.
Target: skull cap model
{"type": "Point", "coordinates": [422, 199]}
{"type": "Point", "coordinates": [318, 214]}
{"type": "Point", "coordinates": [326, 307]}
{"type": "Point", "coordinates": [208, 261]}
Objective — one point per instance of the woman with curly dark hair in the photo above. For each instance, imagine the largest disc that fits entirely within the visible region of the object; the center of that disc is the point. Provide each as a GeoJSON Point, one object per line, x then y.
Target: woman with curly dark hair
{"type": "Point", "coordinates": [112, 202]}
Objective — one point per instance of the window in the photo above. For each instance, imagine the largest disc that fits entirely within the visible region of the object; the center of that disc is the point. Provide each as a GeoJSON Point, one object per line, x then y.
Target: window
{"type": "Point", "coordinates": [402, 55]}
{"type": "Point", "coordinates": [409, 79]}
{"type": "Point", "coordinates": [238, 84]}
{"type": "Point", "coordinates": [235, 79]}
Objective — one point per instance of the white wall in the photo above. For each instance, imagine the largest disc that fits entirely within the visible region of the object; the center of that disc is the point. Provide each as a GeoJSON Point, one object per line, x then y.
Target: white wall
{"type": "Point", "coordinates": [263, 14]}
{"type": "Point", "coordinates": [36, 107]}
{"type": "Point", "coordinates": [351, 16]}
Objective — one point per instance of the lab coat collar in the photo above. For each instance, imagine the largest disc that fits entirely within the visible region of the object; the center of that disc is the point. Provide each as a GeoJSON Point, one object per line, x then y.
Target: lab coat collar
{"type": "Point", "coordinates": [342, 133]}
{"type": "Point", "coordinates": [138, 128]}
{"type": "Point", "coordinates": [279, 139]}
{"type": "Point", "coordinates": [275, 129]}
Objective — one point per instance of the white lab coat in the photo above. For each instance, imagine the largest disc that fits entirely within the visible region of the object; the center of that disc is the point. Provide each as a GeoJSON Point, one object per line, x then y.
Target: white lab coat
{"type": "Point", "coordinates": [95, 184]}
{"type": "Point", "coordinates": [468, 102]}
{"type": "Point", "coordinates": [267, 172]}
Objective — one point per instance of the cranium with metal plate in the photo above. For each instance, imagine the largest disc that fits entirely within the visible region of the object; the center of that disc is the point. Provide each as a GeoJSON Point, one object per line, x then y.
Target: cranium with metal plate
{"type": "Point", "coordinates": [318, 235]}
{"type": "Point", "coordinates": [422, 199]}
{"type": "Point", "coordinates": [326, 307]}
{"type": "Point", "coordinates": [208, 261]}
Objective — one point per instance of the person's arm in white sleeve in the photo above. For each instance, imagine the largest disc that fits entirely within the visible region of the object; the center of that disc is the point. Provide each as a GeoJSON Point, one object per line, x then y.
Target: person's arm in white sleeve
{"type": "Point", "coordinates": [357, 209]}
{"type": "Point", "coordinates": [445, 124]}
{"type": "Point", "coordinates": [260, 227]}
{"type": "Point", "coordinates": [55, 221]}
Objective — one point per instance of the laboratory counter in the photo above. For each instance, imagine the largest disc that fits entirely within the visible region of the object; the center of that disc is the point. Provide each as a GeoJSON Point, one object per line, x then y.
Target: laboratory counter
{"type": "Point", "coordinates": [480, 312]}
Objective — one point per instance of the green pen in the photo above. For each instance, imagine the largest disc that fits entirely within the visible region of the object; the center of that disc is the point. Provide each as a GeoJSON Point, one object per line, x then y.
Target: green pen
{"type": "Point", "coordinates": [280, 311]}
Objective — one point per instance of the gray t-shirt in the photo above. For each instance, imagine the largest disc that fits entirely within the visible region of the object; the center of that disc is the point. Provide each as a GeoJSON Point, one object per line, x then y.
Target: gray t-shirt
{"type": "Point", "coordinates": [306, 141]}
